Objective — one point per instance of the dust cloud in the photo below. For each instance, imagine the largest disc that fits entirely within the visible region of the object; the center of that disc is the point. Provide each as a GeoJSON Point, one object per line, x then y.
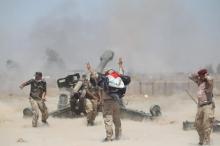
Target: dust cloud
{"type": "Point", "coordinates": [151, 36]}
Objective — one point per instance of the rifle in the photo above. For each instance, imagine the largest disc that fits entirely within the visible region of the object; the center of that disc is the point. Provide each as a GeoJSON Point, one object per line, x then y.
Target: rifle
{"type": "Point", "coordinates": [191, 96]}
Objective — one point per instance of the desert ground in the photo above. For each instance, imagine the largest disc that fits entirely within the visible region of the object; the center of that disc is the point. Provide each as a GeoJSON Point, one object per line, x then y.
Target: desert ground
{"type": "Point", "coordinates": [163, 131]}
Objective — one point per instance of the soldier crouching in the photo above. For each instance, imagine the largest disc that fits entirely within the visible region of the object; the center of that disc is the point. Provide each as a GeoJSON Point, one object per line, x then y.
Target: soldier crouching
{"type": "Point", "coordinates": [91, 106]}
{"type": "Point", "coordinates": [88, 99]}
{"type": "Point", "coordinates": [37, 97]}
{"type": "Point", "coordinates": [92, 100]}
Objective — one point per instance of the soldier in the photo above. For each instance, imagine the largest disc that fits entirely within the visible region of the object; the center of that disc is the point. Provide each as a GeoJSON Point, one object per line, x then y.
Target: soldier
{"type": "Point", "coordinates": [88, 99]}
{"type": "Point", "coordinates": [205, 112]}
{"type": "Point", "coordinates": [37, 97]}
{"type": "Point", "coordinates": [92, 100]}
{"type": "Point", "coordinates": [110, 98]}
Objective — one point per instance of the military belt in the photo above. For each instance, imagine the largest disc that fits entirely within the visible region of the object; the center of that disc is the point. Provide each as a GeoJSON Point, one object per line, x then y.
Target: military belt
{"type": "Point", "coordinates": [205, 103]}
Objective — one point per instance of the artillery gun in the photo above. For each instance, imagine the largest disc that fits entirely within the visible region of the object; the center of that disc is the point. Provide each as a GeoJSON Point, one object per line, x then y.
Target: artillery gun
{"type": "Point", "coordinates": [188, 125]}
{"type": "Point", "coordinates": [66, 108]}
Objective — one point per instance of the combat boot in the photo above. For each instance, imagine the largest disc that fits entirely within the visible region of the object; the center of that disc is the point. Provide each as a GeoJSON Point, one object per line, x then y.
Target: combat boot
{"type": "Point", "coordinates": [117, 133]}
{"type": "Point", "coordinates": [206, 143]}
{"type": "Point", "coordinates": [34, 125]}
{"type": "Point", "coordinates": [45, 122]}
{"type": "Point", "coordinates": [90, 123]}
{"type": "Point", "coordinates": [107, 139]}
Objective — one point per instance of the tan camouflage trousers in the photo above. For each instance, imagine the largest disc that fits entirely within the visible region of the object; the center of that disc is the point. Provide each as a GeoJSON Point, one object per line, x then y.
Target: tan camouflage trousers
{"type": "Point", "coordinates": [37, 105]}
{"type": "Point", "coordinates": [111, 114]}
{"type": "Point", "coordinates": [91, 110]}
{"type": "Point", "coordinates": [204, 122]}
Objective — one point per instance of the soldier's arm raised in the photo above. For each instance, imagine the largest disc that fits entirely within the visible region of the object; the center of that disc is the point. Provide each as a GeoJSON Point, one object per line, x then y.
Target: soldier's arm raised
{"type": "Point", "coordinates": [91, 71]}
{"type": "Point", "coordinates": [194, 77]}
{"type": "Point", "coordinates": [121, 68]}
{"type": "Point", "coordinates": [25, 84]}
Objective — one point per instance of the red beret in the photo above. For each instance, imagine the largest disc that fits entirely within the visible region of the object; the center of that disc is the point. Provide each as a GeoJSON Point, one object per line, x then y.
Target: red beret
{"type": "Point", "coordinates": [202, 72]}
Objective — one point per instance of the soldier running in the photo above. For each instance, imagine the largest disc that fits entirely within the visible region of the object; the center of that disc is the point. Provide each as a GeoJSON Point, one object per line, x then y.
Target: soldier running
{"type": "Point", "coordinates": [205, 112]}
{"type": "Point", "coordinates": [37, 97]}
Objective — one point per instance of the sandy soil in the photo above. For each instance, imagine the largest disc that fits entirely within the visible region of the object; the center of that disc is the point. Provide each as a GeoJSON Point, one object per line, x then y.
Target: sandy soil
{"type": "Point", "coordinates": [164, 131]}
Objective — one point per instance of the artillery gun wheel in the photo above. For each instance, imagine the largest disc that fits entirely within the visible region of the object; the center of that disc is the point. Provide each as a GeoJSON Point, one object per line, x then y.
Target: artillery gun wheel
{"type": "Point", "coordinates": [155, 110]}
{"type": "Point", "coordinates": [27, 112]}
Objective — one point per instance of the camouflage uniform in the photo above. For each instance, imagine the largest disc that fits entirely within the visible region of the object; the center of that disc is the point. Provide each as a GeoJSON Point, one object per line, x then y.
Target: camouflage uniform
{"type": "Point", "coordinates": [38, 87]}
{"type": "Point", "coordinates": [91, 110]}
{"type": "Point", "coordinates": [111, 114]}
{"type": "Point", "coordinates": [91, 102]}
{"type": "Point", "coordinates": [88, 99]}
{"type": "Point", "coordinates": [110, 104]}
{"type": "Point", "coordinates": [205, 112]}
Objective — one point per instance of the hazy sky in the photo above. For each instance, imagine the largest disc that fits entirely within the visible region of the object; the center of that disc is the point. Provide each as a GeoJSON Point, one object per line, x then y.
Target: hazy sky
{"type": "Point", "coordinates": [151, 35]}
